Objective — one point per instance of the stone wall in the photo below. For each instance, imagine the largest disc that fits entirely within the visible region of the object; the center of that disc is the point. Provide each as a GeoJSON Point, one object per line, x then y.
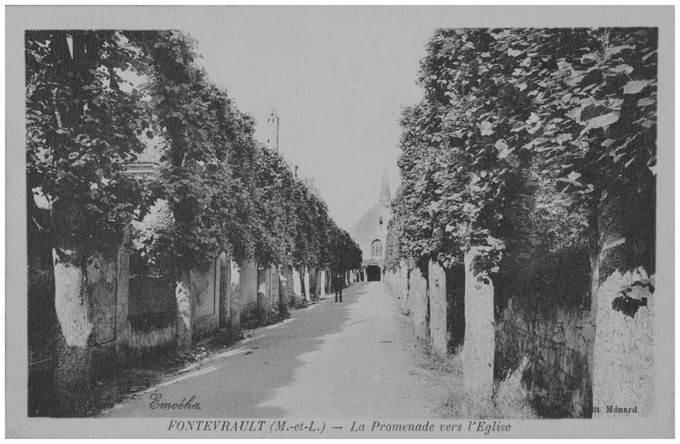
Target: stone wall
{"type": "Point", "coordinates": [145, 343]}
{"type": "Point", "coordinates": [398, 283]}
{"type": "Point", "coordinates": [571, 324]}
{"type": "Point", "coordinates": [558, 341]}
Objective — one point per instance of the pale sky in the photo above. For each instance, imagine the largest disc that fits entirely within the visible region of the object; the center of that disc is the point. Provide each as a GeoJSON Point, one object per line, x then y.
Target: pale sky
{"type": "Point", "coordinates": [338, 79]}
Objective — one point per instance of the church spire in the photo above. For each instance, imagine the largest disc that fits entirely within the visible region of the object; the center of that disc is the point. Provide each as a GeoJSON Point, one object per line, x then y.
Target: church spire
{"type": "Point", "coordinates": [385, 188]}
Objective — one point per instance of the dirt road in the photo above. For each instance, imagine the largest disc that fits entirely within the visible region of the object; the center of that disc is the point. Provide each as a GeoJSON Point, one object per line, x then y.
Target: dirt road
{"type": "Point", "coordinates": [333, 360]}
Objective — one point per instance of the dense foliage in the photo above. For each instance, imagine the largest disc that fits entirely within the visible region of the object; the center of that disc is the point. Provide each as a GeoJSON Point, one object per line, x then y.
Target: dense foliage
{"type": "Point", "coordinates": [81, 129]}
{"type": "Point", "coordinates": [524, 131]}
{"type": "Point", "coordinates": [223, 191]}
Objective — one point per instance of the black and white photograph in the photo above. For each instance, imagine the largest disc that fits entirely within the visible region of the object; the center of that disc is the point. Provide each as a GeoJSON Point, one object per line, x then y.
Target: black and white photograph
{"type": "Point", "coordinates": [339, 222]}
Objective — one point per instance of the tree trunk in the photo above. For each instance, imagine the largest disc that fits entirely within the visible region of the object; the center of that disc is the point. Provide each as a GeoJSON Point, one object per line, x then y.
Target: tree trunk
{"type": "Point", "coordinates": [421, 304]}
{"type": "Point", "coordinates": [184, 313]}
{"type": "Point", "coordinates": [623, 370]}
{"type": "Point", "coordinates": [303, 287]}
{"type": "Point", "coordinates": [225, 291]}
{"type": "Point", "coordinates": [74, 357]}
{"type": "Point", "coordinates": [438, 312]}
{"type": "Point", "coordinates": [480, 336]}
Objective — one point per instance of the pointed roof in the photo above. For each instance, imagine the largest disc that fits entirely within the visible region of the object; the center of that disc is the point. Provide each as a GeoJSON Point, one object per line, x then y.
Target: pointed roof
{"type": "Point", "coordinates": [385, 189]}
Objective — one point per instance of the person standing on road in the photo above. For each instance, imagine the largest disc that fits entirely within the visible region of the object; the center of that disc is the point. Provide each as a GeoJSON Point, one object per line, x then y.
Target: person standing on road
{"type": "Point", "coordinates": [338, 286]}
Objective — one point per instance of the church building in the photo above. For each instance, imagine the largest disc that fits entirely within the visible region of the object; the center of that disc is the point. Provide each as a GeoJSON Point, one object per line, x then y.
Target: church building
{"type": "Point", "coordinates": [370, 232]}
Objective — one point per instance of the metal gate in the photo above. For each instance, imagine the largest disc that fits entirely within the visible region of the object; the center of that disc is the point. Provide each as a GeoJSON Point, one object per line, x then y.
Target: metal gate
{"type": "Point", "coordinates": [152, 292]}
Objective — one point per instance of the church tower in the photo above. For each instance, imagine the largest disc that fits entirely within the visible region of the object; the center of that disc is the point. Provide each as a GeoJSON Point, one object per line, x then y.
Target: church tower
{"type": "Point", "coordinates": [370, 232]}
{"type": "Point", "coordinates": [273, 130]}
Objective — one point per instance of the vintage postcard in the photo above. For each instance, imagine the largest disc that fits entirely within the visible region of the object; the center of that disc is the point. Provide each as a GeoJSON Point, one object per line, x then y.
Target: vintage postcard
{"type": "Point", "coordinates": [340, 222]}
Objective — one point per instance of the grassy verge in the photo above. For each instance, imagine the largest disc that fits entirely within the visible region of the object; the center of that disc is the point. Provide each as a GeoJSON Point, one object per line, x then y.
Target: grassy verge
{"type": "Point", "coordinates": [508, 400]}
{"type": "Point", "coordinates": [128, 383]}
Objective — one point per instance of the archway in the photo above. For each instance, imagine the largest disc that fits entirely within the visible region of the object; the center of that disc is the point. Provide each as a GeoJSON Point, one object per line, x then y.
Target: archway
{"type": "Point", "coordinates": [373, 273]}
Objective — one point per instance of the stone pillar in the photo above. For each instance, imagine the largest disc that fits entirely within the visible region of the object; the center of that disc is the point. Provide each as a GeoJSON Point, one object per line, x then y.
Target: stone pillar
{"type": "Point", "coordinates": [297, 285]}
{"type": "Point", "coordinates": [421, 304]}
{"type": "Point", "coordinates": [322, 283]}
{"type": "Point", "coordinates": [234, 297]}
{"type": "Point", "coordinates": [318, 283]}
{"type": "Point", "coordinates": [438, 307]}
{"type": "Point", "coordinates": [305, 280]}
{"type": "Point", "coordinates": [479, 342]}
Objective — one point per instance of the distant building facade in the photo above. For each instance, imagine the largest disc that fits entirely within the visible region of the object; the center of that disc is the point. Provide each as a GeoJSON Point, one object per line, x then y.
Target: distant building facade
{"type": "Point", "coordinates": [370, 232]}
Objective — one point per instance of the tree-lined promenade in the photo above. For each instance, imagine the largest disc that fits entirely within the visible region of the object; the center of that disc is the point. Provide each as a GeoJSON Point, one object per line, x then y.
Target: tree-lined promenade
{"type": "Point", "coordinates": [222, 190]}
{"type": "Point", "coordinates": [520, 246]}
{"type": "Point", "coordinates": [524, 229]}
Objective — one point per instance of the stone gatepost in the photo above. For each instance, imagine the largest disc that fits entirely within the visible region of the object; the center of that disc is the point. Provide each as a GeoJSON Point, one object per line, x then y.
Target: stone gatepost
{"type": "Point", "coordinates": [297, 283]}
{"type": "Point", "coordinates": [438, 308]}
{"type": "Point", "coordinates": [234, 297]}
{"type": "Point", "coordinates": [305, 281]}
{"type": "Point", "coordinates": [317, 283]}
{"type": "Point", "coordinates": [479, 342]}
{"type": "Point", "coordinates": [421, 304]}
{"type": "Point", "coordinates": [322, 283]}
